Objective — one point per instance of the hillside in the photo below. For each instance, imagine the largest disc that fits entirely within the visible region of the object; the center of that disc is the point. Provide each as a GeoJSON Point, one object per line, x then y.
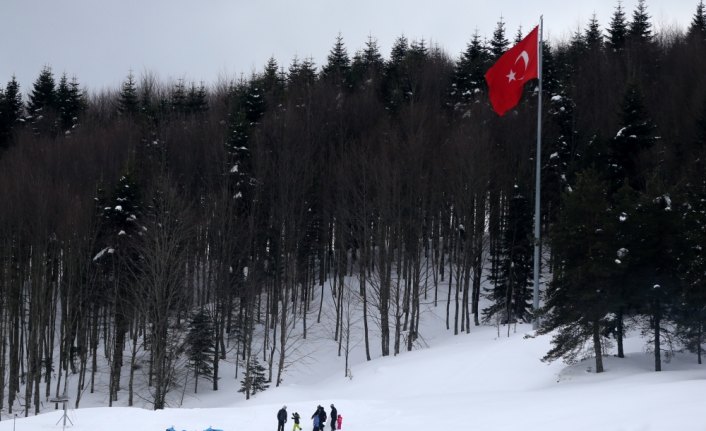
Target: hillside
{"type": "Point", "coordinates": [475, 381]}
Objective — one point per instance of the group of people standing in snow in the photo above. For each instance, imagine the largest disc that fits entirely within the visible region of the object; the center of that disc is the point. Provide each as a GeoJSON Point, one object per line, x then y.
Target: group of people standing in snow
{"type": "Point", "coordinates": [319, 419]}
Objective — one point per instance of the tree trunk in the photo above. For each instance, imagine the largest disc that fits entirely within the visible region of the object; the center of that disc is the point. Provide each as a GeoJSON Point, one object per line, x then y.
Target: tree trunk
{"type": "Point", "coordinates": [282, 337]}
{"type": "Point", "coordinates": [363, 289]}
{"type": "Point", "coordinates": [597, 350]}
{"type": "Point", "coordinates": [699, 340]}
{"type": "Point", "coordinates": [619, 333]}
{"type": "Point", "coordinates": [133, 360]}
{"type": "Point", "coordinates": [658, 348]}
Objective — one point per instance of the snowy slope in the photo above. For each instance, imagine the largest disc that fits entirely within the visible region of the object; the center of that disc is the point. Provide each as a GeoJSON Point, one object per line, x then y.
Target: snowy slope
{"type": "Point", "coordinates": [476, 381]}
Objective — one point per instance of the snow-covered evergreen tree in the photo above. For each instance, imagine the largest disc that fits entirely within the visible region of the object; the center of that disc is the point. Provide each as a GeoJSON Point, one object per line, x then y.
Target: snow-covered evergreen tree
{"type": "Point", "coordinates": [255, 379]}
{"type": "Point", "coordinates": [579, 295]}
{"type": "Point", "coordinates": [70, 102]}
{"type": "Point", "coordinates": [200, 346]}
{"type": "Point", "coordinates": [637, 134]}
{"type": "Point", "coordinates": [469, 73]}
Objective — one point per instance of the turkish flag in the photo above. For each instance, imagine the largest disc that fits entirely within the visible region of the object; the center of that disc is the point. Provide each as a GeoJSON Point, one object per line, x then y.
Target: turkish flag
{"type": "Point", "coordinates": [508, 75]}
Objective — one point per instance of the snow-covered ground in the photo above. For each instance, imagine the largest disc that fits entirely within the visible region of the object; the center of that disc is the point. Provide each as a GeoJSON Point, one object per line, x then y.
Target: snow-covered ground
{"type": "Point", "coordinates": [477, 381]}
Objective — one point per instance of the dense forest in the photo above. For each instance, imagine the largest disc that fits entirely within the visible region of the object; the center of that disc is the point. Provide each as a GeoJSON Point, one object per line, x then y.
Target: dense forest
{"type": "Point", "coordinates": [149, 227]}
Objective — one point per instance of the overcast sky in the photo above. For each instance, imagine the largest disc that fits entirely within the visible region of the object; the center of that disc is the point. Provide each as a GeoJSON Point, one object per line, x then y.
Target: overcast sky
{"type": "Point", "coordinates": [100, 41]}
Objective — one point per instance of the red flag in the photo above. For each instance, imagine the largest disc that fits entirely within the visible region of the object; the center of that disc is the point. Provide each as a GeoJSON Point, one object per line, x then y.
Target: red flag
{"type": "Point", "coordinates": [508, 75]}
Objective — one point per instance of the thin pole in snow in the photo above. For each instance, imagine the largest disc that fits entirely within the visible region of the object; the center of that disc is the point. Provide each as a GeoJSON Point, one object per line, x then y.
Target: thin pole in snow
{"type": "Point", "coordinates": [537, 182]}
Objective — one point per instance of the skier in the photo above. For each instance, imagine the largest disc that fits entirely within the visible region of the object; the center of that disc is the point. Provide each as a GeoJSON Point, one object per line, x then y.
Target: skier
{"type": "Point", "coordinates": [334, 417]}
{"type": "Point", "coordinates": [296, 427]}
{"type": "Point", "coordinates": [281, 418]}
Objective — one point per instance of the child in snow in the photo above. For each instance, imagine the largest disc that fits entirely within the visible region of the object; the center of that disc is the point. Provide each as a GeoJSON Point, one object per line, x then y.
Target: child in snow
{"type": "Point", "coordinates": [296, 427]}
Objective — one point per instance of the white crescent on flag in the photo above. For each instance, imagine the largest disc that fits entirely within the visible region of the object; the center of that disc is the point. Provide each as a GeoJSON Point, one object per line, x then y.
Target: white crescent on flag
{"type": "Point", "coordinates": [525, 57]}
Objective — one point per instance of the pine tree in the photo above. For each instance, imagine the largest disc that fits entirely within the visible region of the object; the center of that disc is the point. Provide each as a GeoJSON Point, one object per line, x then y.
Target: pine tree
{"type": "Point", "coordinates": [550, 75]}
{"type": "Point", "coordinates": [512, 293]}
{"type": "Point", "coordinates": [399, 51]}
{"type": "Point", "coordinates": [124, 210]}
{"type": "Point", "coordinates": [338, 65]}
{"type": "Point", "coordinates": [690, 312]}
{"type": "Point", "coordinates": [371, 54]}
{"type": "Point", "coordinates": [367, 64]}
{"type": "Point", "coordinates": [469, 72]}
{"type": "Point", "coordinates": [518, 35]}
{"type": "Point", "coordinates": [416, 56]}
{"type": "Point", "coordinates": [636, 134]}
{"type": "Point", "coordinates": [10, 111]}
{"type": "Point", "coordinates": [178, 97]}
{"type": "Point", "coordinates": [147, 102]}
{"type": "Point", "coordinates": [43, 95]}
{"type": "Point", "coordinates": [559, 154]}
{"type": "Point", "coordinates": [593, 36]}
{"type": "Point", "coordinates": [70, 102]}
{"type": "Point", "coordinates": [302, 73]}
{"type": "Point", "coordinates": [254, 380]}
{"type": "Point", "coordinates": [498, 44]}
{"type": "Point", "coordinates": [401, 80]}
{"type": "Point", "coordinates": [396, 82]}
{"type": "Point", "coordinates": [128, 103]}
{"type": "Point", "coordinates": [119, 230]}
{"type": "Point", "coordinates": [77, 102]}
{"type": "Point", "coordinates": [697, 28]}
{"type": "Point", "coordinates": [13, 101]}
{"type": "Point", "coordinates": [247, 107]}
{"type": "Point", "coordinates": [651, 241]}
{"type": "Point", "coordinates": [623, 287]}
{"type": "Point", "coordinates": [62, 99]}
{"type": "Point", "coordinates": [618, 30]}
{"type": "Point", "coordinates": [640, 29]}
{"type": "Point", "coordinates": [196, 99]}
{"type": "Point", "coordinates": [200, 346]}
{"type": "Point", "coordinates": [579, 295]}
{"type": "Point", "coordinates": [272, 80]}
{"type": "Point", "coordinates": [254, 103]}
{"type": "Point", "coordinates": [577, 46]}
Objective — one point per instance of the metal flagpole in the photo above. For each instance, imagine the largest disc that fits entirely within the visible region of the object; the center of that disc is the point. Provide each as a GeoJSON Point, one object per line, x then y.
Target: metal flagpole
{"type": "Point", "coordinates": [537, 185]}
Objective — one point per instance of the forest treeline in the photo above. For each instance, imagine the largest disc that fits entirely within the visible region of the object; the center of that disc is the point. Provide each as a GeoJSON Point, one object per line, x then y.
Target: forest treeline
{"type": "Point", "coordinates": [158, 227]}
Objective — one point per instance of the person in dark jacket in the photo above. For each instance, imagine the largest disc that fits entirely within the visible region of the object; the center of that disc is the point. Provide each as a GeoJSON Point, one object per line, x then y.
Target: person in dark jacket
{"type": "Point", "coordinates": [334, 417]}
{"type": "Point", "coordinates": [281, 418]}
{"type": "Point", "coordinates": [319, 417]}
{"type": "Point", "coordinates": [296, 427]}
{"type": "Point", "coordinates": [322, 418]}
{"type": "Point", "coordinates": [315, 417]}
